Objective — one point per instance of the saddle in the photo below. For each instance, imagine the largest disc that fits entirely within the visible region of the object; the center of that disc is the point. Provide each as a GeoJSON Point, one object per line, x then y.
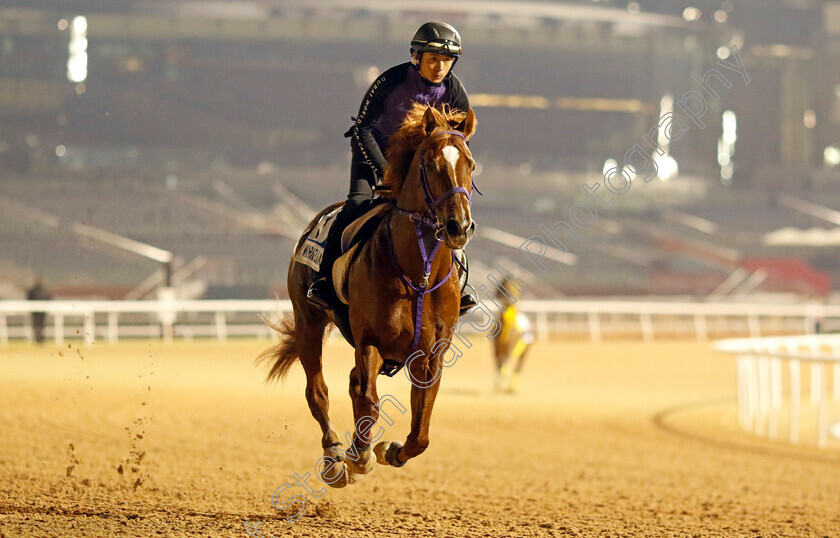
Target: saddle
{"type": "Point", "coordinates": [351, 239]}
{"type": "Point", "coordinates": [313, 248]}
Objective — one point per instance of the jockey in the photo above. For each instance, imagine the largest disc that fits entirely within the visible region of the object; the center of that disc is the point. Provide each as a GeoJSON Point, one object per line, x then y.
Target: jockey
{"type": "Point", "coordinates": [513, 319]}
{"type": "Point", "coordinates": [517, 335]}
{"type": "Point", "coordinates": [426, 79]}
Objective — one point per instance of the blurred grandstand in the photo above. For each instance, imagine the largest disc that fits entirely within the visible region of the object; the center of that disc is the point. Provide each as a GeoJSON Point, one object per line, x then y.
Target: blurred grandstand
{"type": "Point", "coordinates": [211, 131]}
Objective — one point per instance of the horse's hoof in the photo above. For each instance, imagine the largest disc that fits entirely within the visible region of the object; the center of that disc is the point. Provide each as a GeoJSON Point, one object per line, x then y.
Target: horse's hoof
{"type": "Point", "coordinates": [387, 453]}
{"type": "Point", "coordinates": [363, 466]}
{"type": "Point", "coordinates": [498, 383]}
{"type": "Point", "coordinates": [513, 386]}
{"type": "Point", "coordinates": [336, 475]}
{"type": "Point", "coordinates": [380, 450]}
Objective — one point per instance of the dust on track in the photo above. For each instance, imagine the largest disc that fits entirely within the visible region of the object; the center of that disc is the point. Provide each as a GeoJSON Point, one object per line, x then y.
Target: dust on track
{"type": "Point", "coordinates": [614, 439]}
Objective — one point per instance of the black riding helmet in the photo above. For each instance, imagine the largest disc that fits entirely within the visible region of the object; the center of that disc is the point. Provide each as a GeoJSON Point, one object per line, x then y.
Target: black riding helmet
{"type": "Point", "coordinates": [437, 37]}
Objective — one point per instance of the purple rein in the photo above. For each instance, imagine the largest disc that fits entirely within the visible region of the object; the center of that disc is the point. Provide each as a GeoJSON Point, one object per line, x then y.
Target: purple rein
{"type": "Point", "coordinates": [426, 220]}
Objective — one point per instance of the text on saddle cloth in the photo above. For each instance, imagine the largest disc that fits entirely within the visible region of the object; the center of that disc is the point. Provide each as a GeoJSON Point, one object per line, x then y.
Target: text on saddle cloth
{"type": "Point", "coordinates": [311, 251]}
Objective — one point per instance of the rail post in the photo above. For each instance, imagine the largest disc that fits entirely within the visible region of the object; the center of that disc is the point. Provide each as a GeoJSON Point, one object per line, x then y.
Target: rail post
{"type": "Point", "coordinates": [647, 327]}
{"type": "Point", "coordinates": [542, 326]}
{"type": "Point", "coordinates": [594, 326]}
{"type": "Point", "coordinates": [4, 331]}
{"type": "Point", "coordinates": [700, 327]}
{"type": "Point", "coordinates": [59, 328]}
{"type": "Point", "coordinates": [221, 327]}
{"type": "Point", "coordinates": [89, 328]}
{"type": "Point", "coordinates": [113, 328]}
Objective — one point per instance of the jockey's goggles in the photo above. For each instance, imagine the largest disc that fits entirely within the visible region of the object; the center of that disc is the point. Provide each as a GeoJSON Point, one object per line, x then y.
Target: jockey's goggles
{"type": "Point", "coordinates": [446, 47]}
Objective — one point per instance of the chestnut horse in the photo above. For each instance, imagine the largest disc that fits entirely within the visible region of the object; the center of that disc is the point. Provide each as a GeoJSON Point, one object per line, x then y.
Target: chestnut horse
{"type": "Point", "coordinates": [403, 296]}
{"type": "Point", "coordinates": [513, 340]}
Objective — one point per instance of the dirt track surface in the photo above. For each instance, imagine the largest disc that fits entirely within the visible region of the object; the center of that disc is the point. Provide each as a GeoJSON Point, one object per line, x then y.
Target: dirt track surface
{"type": "Point", "coordinates": [615, 439]}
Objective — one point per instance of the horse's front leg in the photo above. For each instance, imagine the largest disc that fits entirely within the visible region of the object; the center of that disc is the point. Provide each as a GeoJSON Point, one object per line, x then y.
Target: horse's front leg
{"type": "Point", "coordinates": [499, 353]}
{"type": "Point", "coordinates": [425, 382]}
{"type": "Point", "coordinates": [365, 411]}
{"type": "Point", "coordinates": [514, 381]}
{"type": "Point", "coordinates": [503, 373]}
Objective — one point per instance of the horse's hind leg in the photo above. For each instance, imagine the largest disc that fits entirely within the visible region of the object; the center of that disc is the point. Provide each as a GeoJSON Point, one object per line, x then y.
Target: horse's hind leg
{"type": "Point", "coordinates": [317, 394]}
{"type": "Point", "coordinates": [310, 336]}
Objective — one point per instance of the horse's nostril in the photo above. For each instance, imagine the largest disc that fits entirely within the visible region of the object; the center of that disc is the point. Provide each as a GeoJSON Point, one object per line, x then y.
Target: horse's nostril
{"type": "Point", "coordinates": [471, 227]}
{"type": "Point", "coordinates": [453, 228]}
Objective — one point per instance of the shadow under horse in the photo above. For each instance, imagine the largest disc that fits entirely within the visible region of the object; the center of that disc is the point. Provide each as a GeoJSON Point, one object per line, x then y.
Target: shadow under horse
{"type": "Point", "coordinates": [402, 290]}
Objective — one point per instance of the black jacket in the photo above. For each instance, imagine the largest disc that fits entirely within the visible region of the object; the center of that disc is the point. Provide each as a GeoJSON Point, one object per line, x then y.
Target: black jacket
{"type": "Point", "coordinates": [386, 103]}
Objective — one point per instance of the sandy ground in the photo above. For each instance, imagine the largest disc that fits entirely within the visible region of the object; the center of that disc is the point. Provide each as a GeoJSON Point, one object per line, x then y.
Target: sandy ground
{"type": "Point", "coordinates": [615, 439]}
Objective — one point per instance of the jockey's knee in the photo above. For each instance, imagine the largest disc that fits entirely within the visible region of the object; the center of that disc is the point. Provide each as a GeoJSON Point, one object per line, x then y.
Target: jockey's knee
{"type": "Point", "coordinates": [354, 202]}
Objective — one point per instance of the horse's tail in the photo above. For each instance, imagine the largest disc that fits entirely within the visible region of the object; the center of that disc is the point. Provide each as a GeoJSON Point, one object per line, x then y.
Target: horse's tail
{"type": "Point", "coordinates": [283, 354]}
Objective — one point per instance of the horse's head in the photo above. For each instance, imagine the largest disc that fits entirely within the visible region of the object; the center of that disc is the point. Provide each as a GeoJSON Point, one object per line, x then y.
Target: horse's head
{"type": "Point", "coordinates": [446, 175]}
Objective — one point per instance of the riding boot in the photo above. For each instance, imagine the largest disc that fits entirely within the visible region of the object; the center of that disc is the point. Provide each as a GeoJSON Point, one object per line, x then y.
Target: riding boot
{"type": "Point", "coordinates": [320, 294]}
{"type": "Point", "coordinates": [468, 300]}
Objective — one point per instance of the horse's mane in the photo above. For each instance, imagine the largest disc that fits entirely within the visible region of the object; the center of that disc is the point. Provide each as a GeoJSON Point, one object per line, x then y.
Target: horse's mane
{"type": "Point", "coordinates": [404, 143]}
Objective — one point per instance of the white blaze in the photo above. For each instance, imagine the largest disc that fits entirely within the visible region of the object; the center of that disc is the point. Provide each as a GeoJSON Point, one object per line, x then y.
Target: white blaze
{"type": "Point", "coordinates": [451, 154]}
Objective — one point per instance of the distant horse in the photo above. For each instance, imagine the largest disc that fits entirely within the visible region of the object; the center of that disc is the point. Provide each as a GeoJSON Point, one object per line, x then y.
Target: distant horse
{"type": "Point", "coordinates": [512, 342]}
{"type": "Point", "coordinates": [403, 298]}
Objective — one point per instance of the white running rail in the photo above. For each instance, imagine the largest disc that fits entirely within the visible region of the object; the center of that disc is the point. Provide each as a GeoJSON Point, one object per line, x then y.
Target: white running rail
{"type": "Point", "coordinates": [770, 383]}
{"type": "Point", "coordinates": [165, 319]}
{"type": "Point", "coordinates": [597, 319]}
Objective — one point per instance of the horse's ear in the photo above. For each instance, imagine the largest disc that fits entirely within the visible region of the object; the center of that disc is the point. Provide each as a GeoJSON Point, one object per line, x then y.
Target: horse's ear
{"type": "Point", "coordinates": [429, 121]}
{"type": "Point", "coordinates": [468, 125]}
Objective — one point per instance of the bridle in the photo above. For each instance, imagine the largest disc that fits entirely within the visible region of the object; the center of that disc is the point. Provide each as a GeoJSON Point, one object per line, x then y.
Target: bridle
{"type": "Point", "coordinates": [428, 218]}
{"type": "Point", "coordinates": [425, 221]}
